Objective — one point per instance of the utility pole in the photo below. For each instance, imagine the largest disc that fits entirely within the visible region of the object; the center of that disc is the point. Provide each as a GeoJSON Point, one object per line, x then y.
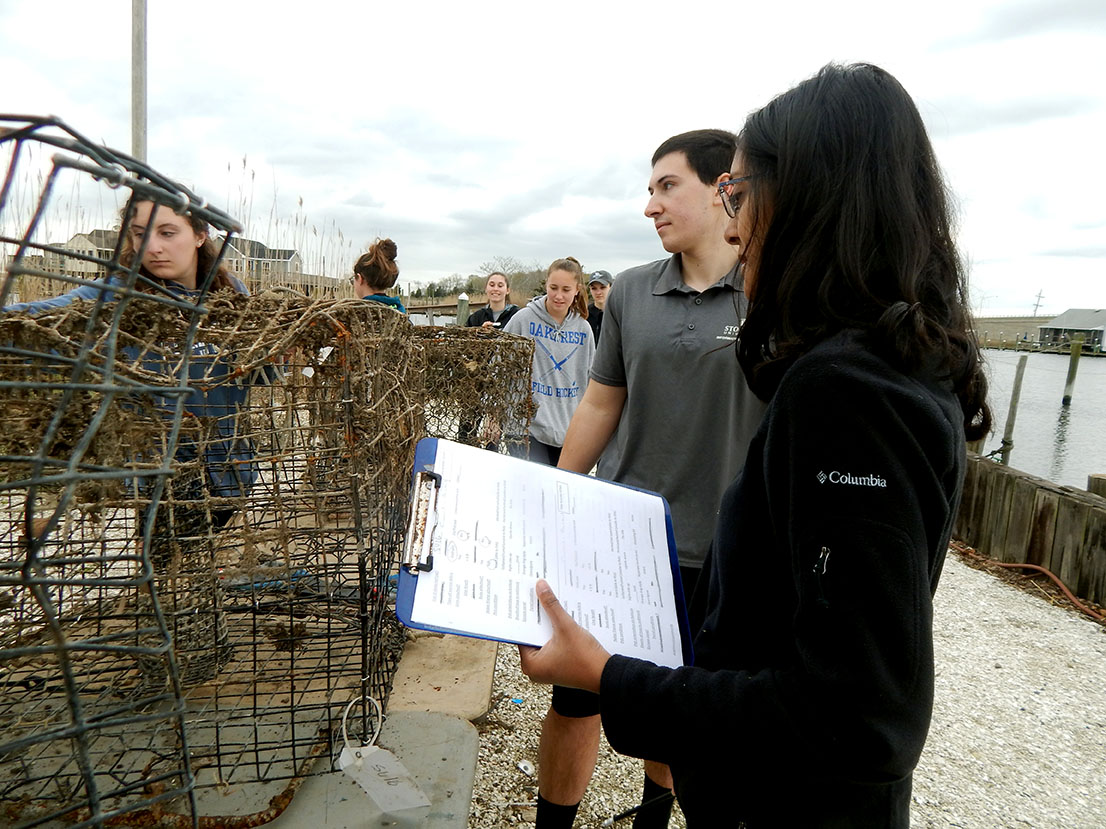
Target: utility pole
{"type": "Point", "coordinates": [1040, 296]}
{"type": "Point", "coordinates": [138, 79]}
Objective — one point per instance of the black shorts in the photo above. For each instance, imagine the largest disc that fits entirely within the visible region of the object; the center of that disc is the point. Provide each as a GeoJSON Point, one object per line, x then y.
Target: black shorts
{"type": "Point", "coordinates": [536, 451]}
{"type": "Point", "coordinates": [574, 703]}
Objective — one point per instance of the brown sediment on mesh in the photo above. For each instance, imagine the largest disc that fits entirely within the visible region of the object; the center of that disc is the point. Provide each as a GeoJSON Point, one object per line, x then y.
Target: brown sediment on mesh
{"type": "Point", "coordinates": [277, 600]}
{"type": "Point", "coordinates": [474, 379]}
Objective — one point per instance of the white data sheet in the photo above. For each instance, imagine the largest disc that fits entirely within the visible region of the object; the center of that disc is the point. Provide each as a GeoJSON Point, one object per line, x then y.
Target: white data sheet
{"type": "Point", "coordinates": [500, 524]}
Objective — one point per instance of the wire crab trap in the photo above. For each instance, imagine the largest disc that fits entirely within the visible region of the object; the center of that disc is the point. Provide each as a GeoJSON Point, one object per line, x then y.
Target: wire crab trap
{"type": "Point", "coordinates": [202, 504]}
{"type": "Point", "coordinates": [304, 553]}
{"type": "Point", "coordinates": [477, 385]}
{"type": "Point", "coordinates": [271, 554]}
{"type": "Point", "coordinates": [71, 555]}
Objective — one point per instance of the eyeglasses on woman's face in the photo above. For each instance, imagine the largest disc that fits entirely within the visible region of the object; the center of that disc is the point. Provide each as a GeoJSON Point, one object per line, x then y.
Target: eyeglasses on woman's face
{"type": "Point", "coordinates": [731, 198]}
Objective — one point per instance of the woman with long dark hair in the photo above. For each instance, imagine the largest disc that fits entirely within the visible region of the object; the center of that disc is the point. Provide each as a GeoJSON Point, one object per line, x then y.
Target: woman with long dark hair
{"type": "Point", "coordinates": [812, 689]}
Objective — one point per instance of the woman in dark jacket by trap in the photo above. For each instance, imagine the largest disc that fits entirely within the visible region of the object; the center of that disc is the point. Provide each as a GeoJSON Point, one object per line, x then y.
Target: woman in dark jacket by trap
{"type": "Point", "coordinates": [811, 693]}
{"type": "Point", "coordinates": [178, 252]}
{"type": "Point", "coordinates": [493, 316]}
{"type": "Point", "coordinates": [499, 310]}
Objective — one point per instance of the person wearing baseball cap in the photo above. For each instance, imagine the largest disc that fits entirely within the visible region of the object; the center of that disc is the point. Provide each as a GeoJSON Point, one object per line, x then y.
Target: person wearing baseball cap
{"type": "Point", "coordinates": [598, 285]}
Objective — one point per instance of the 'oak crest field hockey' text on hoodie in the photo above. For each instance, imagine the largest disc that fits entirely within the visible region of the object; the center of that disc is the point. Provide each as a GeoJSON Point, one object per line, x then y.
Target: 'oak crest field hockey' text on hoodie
{"type": "Point", "coordinates": [562, 359]}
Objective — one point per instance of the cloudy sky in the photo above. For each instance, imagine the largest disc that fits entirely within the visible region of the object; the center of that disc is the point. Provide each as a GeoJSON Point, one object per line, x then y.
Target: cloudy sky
{"type": "Point", "coordinates": [467, 131]}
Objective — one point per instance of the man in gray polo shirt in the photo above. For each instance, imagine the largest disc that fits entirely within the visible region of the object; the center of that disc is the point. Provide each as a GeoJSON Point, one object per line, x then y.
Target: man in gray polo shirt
{"type": "Point", "coordinates": [666, 409]}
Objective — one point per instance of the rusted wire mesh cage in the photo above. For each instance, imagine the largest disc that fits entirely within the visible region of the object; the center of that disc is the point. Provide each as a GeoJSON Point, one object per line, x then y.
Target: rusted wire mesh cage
{"type": "Point", "coordinates": [71, 556]}
{"type": "Point", "coordinates": [477, 385]}
{"type": "Point", "coordinates": [297, 581]}
{"type": "Point", "coordinates": [202, 502]}
{"type": "Point", "coordinates": [275, 591]}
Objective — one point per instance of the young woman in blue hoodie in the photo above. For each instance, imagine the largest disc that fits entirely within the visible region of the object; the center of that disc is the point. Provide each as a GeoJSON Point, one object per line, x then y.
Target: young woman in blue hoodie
{"type": "Point", "coordinates": [563, 348]}
{"type": "Point", "coordinates": [179, 254]}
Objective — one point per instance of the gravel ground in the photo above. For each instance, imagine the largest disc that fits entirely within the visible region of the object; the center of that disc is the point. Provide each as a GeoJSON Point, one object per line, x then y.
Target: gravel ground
{"type": "Point", "coordinates": [1018, 736]}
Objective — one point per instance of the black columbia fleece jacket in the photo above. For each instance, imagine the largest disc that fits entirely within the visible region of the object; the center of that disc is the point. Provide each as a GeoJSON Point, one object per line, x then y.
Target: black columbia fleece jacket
{"type": "Point", "coordinates": [812, 689]}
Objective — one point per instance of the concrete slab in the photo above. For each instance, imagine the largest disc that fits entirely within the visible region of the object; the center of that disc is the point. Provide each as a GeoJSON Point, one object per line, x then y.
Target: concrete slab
{"type": "Point", "coordinates": [448, 674]}
{"type": "Point", "coordinates": [439, 750]}
{"type": "Point", "coordinates": [442, 683]}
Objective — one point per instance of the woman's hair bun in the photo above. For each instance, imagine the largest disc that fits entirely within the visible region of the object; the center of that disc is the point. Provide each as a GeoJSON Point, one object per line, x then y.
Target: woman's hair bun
{"type": "Point", "coordinates": [387, 247]}
{"type": "Point", "coordinates": [378, 267]}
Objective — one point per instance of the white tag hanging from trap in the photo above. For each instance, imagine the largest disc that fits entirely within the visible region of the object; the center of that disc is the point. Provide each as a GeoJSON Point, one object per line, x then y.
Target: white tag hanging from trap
{"type": "Point", "coordinates": [379, 772]}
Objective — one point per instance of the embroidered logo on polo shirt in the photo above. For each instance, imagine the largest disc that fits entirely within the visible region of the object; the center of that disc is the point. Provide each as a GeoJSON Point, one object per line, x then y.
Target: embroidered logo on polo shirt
{"type": "Point", "coordinates": [850, 479]}
{"type": "Point", "coordinates": [730, 332]}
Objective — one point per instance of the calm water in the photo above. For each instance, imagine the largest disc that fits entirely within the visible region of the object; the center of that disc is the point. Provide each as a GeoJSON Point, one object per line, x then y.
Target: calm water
{"type": "Point", "coordinates": [439, 319]}
{"type": "Point", "coordinates": [1063, 444]}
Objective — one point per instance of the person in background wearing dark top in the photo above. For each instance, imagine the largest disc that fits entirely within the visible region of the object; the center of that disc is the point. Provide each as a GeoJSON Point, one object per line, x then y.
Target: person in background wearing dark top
{"type": "Point", "coordinates": [812, 689]}
{"type": "Point", "coordinates": [499, 309]}
{"type": "Point", "coordinates": [493, 316]}
{"type": "Point", "coordinates": [598, 285]}
{"type": "Point", "coordinates": [669, 340]}
{"type": "Point", "coordinates": [375, 272]}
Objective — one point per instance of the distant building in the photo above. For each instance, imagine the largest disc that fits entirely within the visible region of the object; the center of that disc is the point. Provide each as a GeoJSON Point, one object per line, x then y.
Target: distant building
{"type": "Point", "coordinates": [97, 244]}
{"type": "Point", "coordinates": [262, 267]}
{"type": "Point", "coordinates": [1090, 323]}
{"type": "Point", "coordinates": [256, 263]}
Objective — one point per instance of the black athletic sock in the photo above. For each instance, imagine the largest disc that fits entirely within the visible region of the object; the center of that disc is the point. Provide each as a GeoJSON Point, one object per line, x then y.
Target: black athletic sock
{"type": "Point", "coordinates": [555, 816]}
{"type": "Point", "coordinates": [656, 814]}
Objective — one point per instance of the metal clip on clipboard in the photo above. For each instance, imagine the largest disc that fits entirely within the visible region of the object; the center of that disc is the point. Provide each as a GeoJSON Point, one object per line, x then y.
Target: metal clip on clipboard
{"type": "Point", "coordinates": [418, 552]}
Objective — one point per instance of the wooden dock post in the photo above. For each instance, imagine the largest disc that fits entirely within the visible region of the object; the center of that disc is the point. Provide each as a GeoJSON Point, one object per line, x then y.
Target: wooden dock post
{"type": "Point", "coordinates": [1097, 484]}
{"type": "Point", "coordinates": [1069, 384]}
{"type": "Point", "coordinates": [462, 310]}
{"type": "Point", "coordinates": [1012, 414]}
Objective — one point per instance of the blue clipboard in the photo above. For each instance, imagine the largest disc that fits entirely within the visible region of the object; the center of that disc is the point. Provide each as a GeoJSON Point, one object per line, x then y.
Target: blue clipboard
{"type": "Point", "coordinates": [428, 485]}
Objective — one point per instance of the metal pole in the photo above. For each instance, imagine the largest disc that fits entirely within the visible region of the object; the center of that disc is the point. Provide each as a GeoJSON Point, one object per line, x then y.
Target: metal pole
{"type": "Point", "coordinates": [1012, 415]}
{"type": "Point", "coordinates": [138, 79]}
{"type": "Point", "coordinates": [1069, 384]}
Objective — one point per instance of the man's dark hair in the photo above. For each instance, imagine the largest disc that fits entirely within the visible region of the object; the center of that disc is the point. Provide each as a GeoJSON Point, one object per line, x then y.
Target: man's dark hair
{"type": "Point", "coordinates": [853, 226]}
{"type": "Point", "coordinates": [709, 152]}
